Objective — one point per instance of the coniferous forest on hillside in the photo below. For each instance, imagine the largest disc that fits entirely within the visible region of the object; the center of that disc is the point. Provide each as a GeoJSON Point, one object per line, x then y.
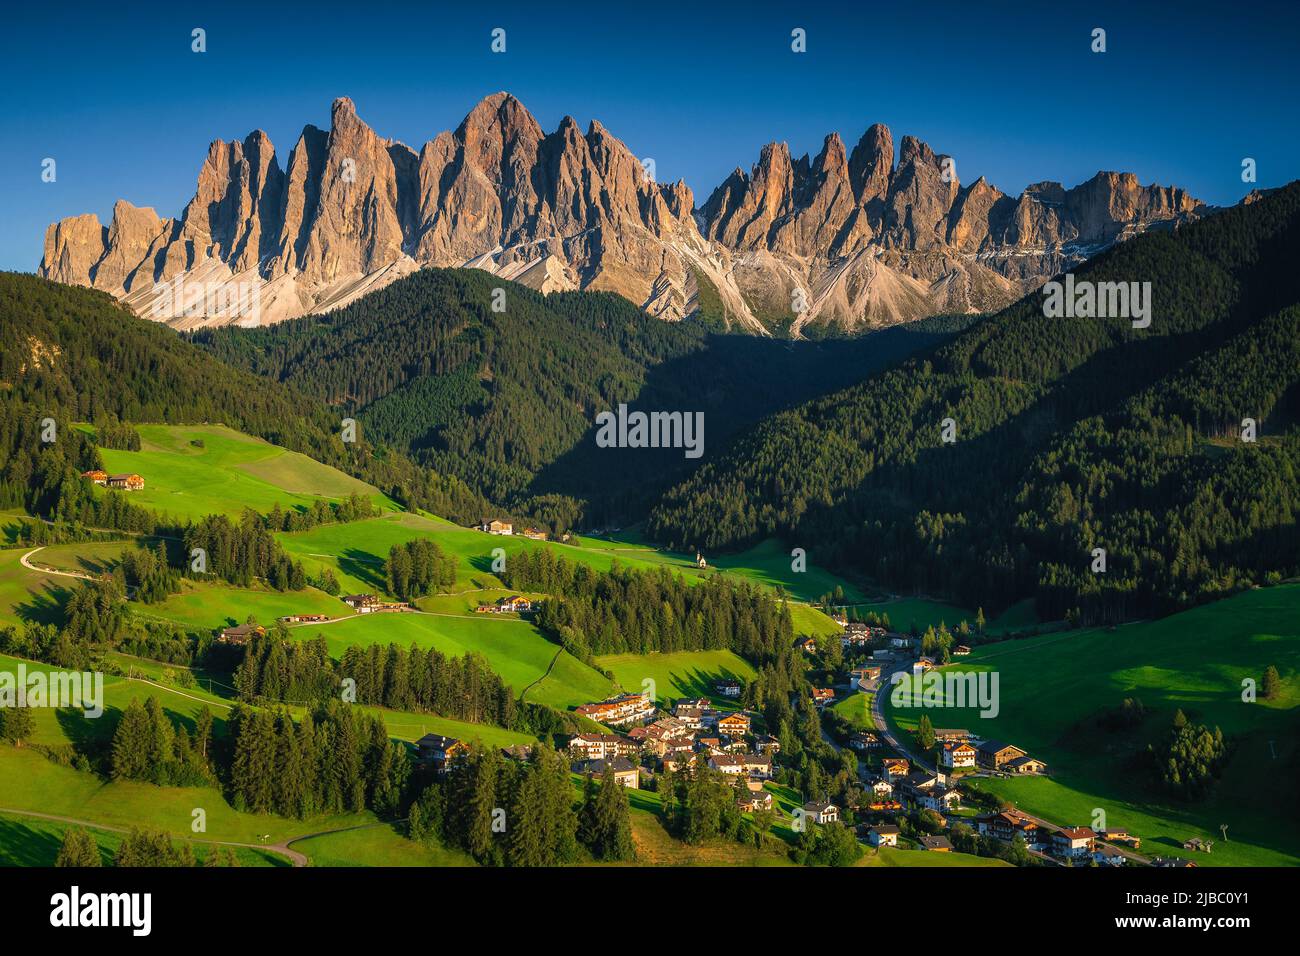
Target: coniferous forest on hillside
{"type": "Point", "coordinates": [1071, 435]}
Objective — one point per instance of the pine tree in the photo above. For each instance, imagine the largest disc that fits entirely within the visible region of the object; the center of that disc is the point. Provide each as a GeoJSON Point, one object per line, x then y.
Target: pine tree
{"type": "Point", "coordinates": [1271, 685]}
{"type": "Point", "coordinates": [16, 725]}
{"type": "Point", "coordinates": [130, 749]}
{"type": "Point", "coordinates": [925, 733]}
{"type": "Point", "coordinates": [607, 821]}
{"type": "Point", "coordinates": [79, 850]}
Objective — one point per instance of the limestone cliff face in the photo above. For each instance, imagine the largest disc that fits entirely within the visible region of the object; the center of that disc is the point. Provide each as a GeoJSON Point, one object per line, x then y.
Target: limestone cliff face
{"type": "Point", "coordinates": [846, 238]}
{"type": "Point", "coordinates": [873, 243]}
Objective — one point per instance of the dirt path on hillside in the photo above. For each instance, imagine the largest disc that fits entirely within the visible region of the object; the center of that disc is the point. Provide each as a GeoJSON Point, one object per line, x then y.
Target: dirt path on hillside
{"type": "Point", "coordinates": [294, 856]}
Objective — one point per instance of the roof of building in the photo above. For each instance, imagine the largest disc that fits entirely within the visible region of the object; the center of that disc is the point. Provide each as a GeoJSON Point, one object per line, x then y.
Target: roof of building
{"type": "Point", "coordinates": [617, 764]}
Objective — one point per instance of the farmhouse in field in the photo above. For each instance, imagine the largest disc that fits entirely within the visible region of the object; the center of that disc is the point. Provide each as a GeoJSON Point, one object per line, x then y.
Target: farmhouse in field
{"type": "Point", "coordinates": [514, 604]}
{"type": "Point", "coordinates": [361, 603]}
{"type": "Point", "coordinates": [497, 526]}
{"type": "Point", "coordinates": [727, 688]}
{"type": "Point", "coordinates": [240, 634]}
{"type": "Point", "coordinates": [304, 618]}
{"type": "Point", "coordinates": [753, 800]}
{"type": "Point", "coordinates": [129, 481]}
{"type": "Point", "coordinates": [535, 533]}
{"type": "Point", "coordinates": [1121, 836]}
{"type": "Point", "coordinates": [96, 476]}
{"type": "Point", "coordinates": [1025, 765]}
{"type": "Point", "coordinates": [936, 843]}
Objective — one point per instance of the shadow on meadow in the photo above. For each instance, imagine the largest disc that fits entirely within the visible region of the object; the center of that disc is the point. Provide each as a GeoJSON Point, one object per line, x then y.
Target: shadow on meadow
{"type": "Point", "coordinates": [44, 607]}
{"type": "Point", "coordinates": [21, 845]}
{"type": "Point", "coordinates": [363, 566]}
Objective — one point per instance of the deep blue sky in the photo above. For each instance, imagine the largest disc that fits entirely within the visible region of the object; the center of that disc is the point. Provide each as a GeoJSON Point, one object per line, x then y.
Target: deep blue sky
{"type": "Point", "coordinates": [1012, 91]}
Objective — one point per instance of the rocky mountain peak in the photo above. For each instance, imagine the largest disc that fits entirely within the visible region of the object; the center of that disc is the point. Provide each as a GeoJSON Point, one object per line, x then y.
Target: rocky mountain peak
{"type": "Point", "coordinates": [869, 240]}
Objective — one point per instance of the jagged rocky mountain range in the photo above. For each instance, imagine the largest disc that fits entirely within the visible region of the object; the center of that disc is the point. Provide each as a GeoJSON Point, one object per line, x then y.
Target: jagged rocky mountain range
{"type": "Point", "coordinates": [847, 239]}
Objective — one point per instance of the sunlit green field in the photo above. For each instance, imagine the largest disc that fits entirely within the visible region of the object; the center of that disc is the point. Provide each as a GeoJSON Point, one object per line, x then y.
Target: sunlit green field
{"type": "Point", "coordinates": [515, 649]}
{"type": "Point", "coordinates": [28, 595]}
{"type": "Point", "coordinates": [232, 471]}
{"type": "Point", "coordinates": [206, 607]}
{"type": "Point", "coordinates": [356, 552]}
{"type": "Point", "coordinates": [679, 674]}
{"type": "Point", "coordinates": [377, 846]}
{"type": "Point", "coordinates": [1052, 687]}
{"type": "Point", "coordinates": [856, 709]}
{"type": "Point", "coordinates": [31, 841]}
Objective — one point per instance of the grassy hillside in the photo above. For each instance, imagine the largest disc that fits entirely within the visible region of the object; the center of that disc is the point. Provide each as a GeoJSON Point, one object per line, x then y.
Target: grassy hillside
{"type": "Point", "coordinates": [1053, 687]}
{"type": "Point", "coordinates": [680, 674]}
{"type": "Point", "coordinates": [379, 845]}
{"type": "Point", "coordinates": [356, 552]}
{"type": "Point", "coordinates": [228, 472]}
{"type": "Point", "coordinates": [31, 841]}
{"type": "Point", "coordinates": [516, 650]}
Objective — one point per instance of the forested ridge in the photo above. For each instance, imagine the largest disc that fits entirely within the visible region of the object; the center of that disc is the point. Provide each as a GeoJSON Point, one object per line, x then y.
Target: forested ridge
{"type": "Point", "coordinates": [73, 355]}
{"type": "Point", "coordinates": [1071, 434]}
{"type": "Point", "coordinates": [506, 400]}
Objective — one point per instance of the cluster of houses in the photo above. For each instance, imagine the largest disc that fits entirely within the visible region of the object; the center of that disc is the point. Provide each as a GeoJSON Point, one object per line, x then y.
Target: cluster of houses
{"type": "Point", "coordinates": [128, 481]}
{"type": "Point", "coordinates": [515, 604]}
{"type": "Point", "coordinates": [959, 749]}
{"type": "Point", "coordinates": [1074, 844]}
{"type": "Point", "coordinates": [304, 619]}
{"type": "Point", "coordinates": [370, 604]}
{"type": "Point", "coordinates": [619, 711]}
{"type": "Point", "coordinates": [858, 635]}
{"type": "Point", "coordinates": [693, 735]}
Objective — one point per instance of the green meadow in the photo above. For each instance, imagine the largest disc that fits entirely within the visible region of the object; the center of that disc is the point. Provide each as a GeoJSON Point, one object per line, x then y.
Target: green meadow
{"type": "Point", "coordinates": [1053, 687]}
{"type": "Point", "coordinates": [32, 841]}
{"type": "Point", "coordinates": [356, 552]}
{"type": "Point", "coordinates": [536, 668]}
{"type": "Point", "coordinates": [29, 595]}
{"type": "Point", "coordinates": [680, 674]}
{"type": "Point", "coordinates": [856, 709]}
{"type": "Point", "coordinates": [228, 472]}
{"type": "Point", "coordinates": [206, 607]}
{"type": "Point", "coordinates": [379, 845]}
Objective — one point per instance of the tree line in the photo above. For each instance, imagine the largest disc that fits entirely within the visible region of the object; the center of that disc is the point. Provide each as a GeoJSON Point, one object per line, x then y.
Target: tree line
{"type": "Point", "coordinates": [522, 812]}
{"type": "Point", "coordinates": [417, 568]}
{"type": "Point", "coordinates": [624, 610]}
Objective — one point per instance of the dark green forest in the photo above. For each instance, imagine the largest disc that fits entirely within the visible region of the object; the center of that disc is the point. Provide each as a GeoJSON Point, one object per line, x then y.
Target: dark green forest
{"type": "Point", "coordinates": [506, 401]}
{"type": "Point", "coordinates": [1071, 435]}
{"type": "Point", "coordinates": [70, 354]}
